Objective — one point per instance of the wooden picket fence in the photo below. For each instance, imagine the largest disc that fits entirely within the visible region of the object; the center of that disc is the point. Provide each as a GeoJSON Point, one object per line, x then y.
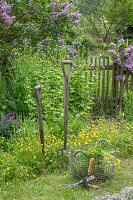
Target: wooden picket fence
{"type": "Point", "coordinates": [108, 95]}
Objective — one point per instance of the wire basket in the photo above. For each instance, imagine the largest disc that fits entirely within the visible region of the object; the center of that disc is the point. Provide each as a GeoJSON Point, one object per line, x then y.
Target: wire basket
{"type": "Point", "coordinates": [104, 156]}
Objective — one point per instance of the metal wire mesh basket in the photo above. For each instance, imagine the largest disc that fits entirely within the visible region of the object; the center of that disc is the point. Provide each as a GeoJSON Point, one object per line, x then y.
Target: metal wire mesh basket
{"type": "Point", "coordinates": [104, 156]}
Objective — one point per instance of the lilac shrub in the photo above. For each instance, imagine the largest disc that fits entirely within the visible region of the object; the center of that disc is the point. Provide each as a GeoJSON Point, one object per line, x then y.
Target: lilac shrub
{"type": "Point", "coordinates": [8, 125]}
{"type": "Point", "coordinates": [122, 55]}
{"type": "Point", "coordinates": [5, 10]}
{"type": "Point", "coordinates": [62, 17]}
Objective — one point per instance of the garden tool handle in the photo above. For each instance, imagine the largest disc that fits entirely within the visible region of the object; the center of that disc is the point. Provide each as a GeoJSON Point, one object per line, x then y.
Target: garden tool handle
{"type": "Point", "coordinates": [66, 77]}
{"type": "Point", "coordinates": [90, 165]}
{"type": "Point", "coordinates": [62, 65]}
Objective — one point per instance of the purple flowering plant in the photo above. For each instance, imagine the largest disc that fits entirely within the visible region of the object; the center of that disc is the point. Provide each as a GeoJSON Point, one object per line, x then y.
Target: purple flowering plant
{"type": "Point", "coordinates": [62, 17]}
{"type": "Point", "coordinates": [122, 55]}
{"type": "Point", "coordinates": [5, 10]}
{"type": "Point", "coordinates": [8, 125]}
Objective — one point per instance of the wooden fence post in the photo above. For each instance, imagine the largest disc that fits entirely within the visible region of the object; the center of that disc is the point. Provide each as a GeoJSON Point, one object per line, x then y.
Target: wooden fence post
{"type": "Point", "coordinates": [37, 91]}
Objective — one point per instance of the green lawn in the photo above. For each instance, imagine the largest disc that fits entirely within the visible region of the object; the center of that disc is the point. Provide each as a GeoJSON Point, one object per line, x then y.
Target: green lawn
{"type": "Point", "coordinates": [51, 186]}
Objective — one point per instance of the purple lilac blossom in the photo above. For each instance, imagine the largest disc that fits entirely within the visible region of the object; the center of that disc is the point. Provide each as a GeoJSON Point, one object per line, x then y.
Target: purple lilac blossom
{"type": "Point", "coordinates": [5, 126]}
{"type": "Point", "coordinates": [76, 22]}
{"type": "Point", "coordinates": [112, 45]}
{"type": "Point", "coordinates": [5, 10]}
{"type": "Point", "coordinates": [123, 65]}
{"type": "Point", "coordinates": [130, 51]}
{"type": "Point", "coordinates": [116, 59]}
{"type": "Point", "coordinates": [122, 41]}
{"type": "Point", "coordinates": [119, 78]}
{"type": "Point", "coordinates": [112, 52]}
{"type": "Point", "coordinates": [129, 64]}
{"type": "Point", "coordinates": [59, 10]}
{"type": "Point", "coordinates": [122, 52]}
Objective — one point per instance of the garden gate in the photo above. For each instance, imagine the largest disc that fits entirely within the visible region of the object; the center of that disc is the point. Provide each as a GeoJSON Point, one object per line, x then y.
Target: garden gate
{"type": "Point", "coordinates": [108, 95]}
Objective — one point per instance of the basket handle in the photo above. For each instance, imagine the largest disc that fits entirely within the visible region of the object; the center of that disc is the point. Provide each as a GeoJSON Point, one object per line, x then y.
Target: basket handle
{"type": "Point", "coordinates": [103, 140]}
{"type": "Point", "coordinates": [115, 150]}
{"type": "Point", "coordinates": [79, 151]}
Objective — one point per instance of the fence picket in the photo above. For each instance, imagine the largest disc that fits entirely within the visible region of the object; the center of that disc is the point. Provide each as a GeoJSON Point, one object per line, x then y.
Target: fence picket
{"type": "Point", "coordinates": [103, 84]}
{"type": "Point", "coordinates": [107, 86]}
{"type": "Point", "coordinates": [108, 91]}
{"type": "Point", "coordinates": [121, 87]}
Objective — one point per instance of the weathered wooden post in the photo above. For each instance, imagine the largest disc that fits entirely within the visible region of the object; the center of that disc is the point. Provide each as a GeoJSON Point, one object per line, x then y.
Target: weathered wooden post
{"type": "Point", "coordinates": [66, 77]}
{"type": "Point", "coordinates": [37, 91]}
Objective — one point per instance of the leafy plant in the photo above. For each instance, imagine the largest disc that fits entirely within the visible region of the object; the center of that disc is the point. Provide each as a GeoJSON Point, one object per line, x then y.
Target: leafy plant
{"type": "Point", "coordinates": [128, 105]}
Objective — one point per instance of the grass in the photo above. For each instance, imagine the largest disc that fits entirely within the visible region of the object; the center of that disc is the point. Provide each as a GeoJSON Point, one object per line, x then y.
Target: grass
{"type": "Point", "coordinates": [51, 186]}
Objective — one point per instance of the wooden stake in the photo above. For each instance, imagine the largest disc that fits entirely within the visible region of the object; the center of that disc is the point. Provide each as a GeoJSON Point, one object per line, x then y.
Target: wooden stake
{"type": "Point", "coordinates": [37, 91]}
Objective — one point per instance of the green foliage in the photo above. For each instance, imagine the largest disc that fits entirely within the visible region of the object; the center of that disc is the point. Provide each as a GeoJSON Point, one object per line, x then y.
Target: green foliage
{"type": "Point", "coordinates": [7, 102]}
{"type": "Point", "coordinates": [128, 105]}
{"type": "Point", "coordinates": [119, 13]}
{"type": "Point", "coordinates": [94, 16]}
{"type": "Point", "coordinates": [33, 21]}
{"type": "Point", "coordinates": [21, 160]}
{"type": "Point", "coordinates": [37, 69]}
{"type": "Point", "coordinates": [20, 155]}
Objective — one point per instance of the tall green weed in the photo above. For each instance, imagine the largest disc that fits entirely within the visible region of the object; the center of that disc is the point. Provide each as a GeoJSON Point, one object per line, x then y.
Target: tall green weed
{"type": "Point", "coordinates": [33, 69]}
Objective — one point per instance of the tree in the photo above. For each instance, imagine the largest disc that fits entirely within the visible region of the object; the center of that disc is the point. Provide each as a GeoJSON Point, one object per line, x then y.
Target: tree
{"type": "Point", "coordinates": [120, 14]}
{"type": "Point", "coordinates": [94, 12]}
{"type": "Point", "coordinates": [33, 21]}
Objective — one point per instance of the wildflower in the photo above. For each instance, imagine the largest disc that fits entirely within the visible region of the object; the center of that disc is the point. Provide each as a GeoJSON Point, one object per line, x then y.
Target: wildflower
{"type": "Point", "coordinates": [26, 41]}
{"type": "Point", "coordinates": [106, 158]}
{"type": "Point", "coordinates": [46, 40]}
{"type": "Point", "coordinates": [7, 168]}
{"type": "Point", "coordinates": [17, 179]}
{"type": "Point", "coordinates": [74, 43]}
{"type": "Point", "coordinates": [60, 42]}
{"type": "Point", "coordinates": [34, 175]}
{"type": "Point", "coordinates": [7, 183]}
